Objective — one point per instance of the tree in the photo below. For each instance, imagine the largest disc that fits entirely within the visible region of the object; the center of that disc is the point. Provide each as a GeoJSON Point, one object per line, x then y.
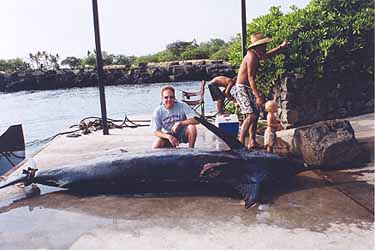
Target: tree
{"type": "Point", "coordinates": [12, 65]}
{"type": "Point", "coordinates": [107, 58]}
{"type": "Point", "coordinates": [72, 62]}
{"type": "Point", "coordinates": [221, 54]}
{"type": "Point", "coordinates": [89, 60]}
{"type": "Point", "coordinates": [123, 60]}
{"type": "Point", "coordinates": [177, 48]}
{"type": "Point", "coordinates": [165, 56]}
{"type": "Point", "coordinates": [43, 60]}
{"type": "Point", "coordinates": [195, 53]}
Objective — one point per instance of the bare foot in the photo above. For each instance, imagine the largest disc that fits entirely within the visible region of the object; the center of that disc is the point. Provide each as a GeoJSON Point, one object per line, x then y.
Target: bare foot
{"type": "Point", "coordinates": [254, 145]}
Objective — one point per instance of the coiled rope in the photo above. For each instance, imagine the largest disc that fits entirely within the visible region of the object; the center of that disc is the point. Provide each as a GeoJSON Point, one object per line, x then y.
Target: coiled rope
{"type": "Point", "coordinates": [85, 126]}
{"type": "Point", "coordinates": [93, 123]}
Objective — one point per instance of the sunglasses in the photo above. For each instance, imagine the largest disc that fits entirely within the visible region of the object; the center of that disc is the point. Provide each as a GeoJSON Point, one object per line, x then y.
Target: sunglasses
{"type": "Point", "coordinates": [169, 97]}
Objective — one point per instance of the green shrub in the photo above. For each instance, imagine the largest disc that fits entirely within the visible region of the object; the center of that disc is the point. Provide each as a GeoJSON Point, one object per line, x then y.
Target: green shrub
{"type": "Point", "coordinates": [12, 65]}
{"type": "Point", "coordinates": [327, 36]}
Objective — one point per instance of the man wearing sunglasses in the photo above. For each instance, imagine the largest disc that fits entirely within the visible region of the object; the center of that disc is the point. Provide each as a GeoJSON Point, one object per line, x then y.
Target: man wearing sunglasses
{"type": "Point", "coordinates": [173, 121]}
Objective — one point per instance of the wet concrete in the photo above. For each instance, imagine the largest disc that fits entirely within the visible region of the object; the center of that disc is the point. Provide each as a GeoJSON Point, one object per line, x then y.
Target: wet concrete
{"type": "Point", "coordinates": [319, 210]}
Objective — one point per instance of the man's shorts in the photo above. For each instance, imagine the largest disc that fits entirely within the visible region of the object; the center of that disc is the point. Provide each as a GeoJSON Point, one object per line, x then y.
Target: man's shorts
{"type": "Point", "coordinates": [269, 137]}
{"type": "Point", "coordinates": [180, 135]}
{"type": "Point", "coordinates": [245, 98]}
{"type": "Point", "coordinates": [215, 92]}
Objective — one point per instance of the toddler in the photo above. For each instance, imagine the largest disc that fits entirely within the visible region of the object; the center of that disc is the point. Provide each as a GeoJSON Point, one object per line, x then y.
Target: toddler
{"type": "Point", "coordinates": [273, 124]}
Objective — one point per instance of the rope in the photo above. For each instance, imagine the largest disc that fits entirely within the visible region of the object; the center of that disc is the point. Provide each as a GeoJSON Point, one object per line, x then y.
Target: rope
{"type": "Point", "coordinates": [93, 123]}
{"type": "Point", "coordinates": [9, 154]}
{"type": "Point", "coordinates": [6, 155]}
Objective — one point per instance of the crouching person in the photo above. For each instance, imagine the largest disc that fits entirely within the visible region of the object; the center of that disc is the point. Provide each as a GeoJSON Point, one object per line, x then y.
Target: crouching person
{"type": "Point", "coordinates": [173, 121]}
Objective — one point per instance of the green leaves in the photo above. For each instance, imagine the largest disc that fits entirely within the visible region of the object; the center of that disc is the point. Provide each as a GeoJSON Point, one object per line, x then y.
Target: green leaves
{"type": "Point", "coordinates": [13, 65]}
{"type": "Point", "coordinates": [324, 36]}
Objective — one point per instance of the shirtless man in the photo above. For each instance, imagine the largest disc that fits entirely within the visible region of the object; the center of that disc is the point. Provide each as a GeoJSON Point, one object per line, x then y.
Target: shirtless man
{"type": "Point", "coordinates": [245, 90]}
{"type": "Point", "coordinates": [219, 95]}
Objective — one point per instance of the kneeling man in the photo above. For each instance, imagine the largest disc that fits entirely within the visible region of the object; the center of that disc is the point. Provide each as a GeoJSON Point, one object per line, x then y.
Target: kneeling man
{"type": "Point", "coordinates": [173, 121]}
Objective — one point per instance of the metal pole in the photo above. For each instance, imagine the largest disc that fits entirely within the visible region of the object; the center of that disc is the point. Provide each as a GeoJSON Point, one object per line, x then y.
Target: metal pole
{"type": "Point", "coordinates": [99, 66]}
{"type": "Point", "coordinates": [243, 19]}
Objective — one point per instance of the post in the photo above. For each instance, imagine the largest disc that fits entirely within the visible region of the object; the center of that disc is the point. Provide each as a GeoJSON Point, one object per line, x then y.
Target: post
{"type": "Point", "coordinates": [243, 19]}
{"type": "Point", "coordinates": [99, 67]}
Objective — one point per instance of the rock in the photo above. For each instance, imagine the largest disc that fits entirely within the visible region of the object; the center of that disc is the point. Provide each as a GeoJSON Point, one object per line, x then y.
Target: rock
{"type": "Point", "coordinates": [327, 143]}
{"type": "Point", "coordinates": [289, 116]}
{"type": "Point", "coordinates": [113, 75]}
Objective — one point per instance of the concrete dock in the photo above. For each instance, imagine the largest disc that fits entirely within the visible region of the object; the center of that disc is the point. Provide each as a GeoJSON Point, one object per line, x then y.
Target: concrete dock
{"type": "Point", "coordinates": [321, 210]}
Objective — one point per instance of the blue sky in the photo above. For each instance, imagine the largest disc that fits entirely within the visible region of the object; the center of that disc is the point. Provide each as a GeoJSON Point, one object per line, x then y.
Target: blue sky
{"type": "Point", "coordinates": [127, 27]}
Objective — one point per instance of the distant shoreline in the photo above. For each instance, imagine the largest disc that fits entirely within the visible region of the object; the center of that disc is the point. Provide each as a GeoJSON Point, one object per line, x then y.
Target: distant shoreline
{"type": "Point", "coordinates": [178, 71]}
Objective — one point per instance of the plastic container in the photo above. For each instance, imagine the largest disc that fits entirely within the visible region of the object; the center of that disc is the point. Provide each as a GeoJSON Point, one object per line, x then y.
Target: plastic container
{"type": "Point", "coordinates": [229, 123]}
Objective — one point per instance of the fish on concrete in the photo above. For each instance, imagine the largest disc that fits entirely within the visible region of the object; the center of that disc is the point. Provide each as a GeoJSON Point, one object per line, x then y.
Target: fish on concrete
{"type": "Point", "coordinates": [248, 172]}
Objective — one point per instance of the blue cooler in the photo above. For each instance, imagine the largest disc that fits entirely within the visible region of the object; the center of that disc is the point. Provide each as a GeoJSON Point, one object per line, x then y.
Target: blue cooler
{"type": "Point", "coordinates": [229, 123]}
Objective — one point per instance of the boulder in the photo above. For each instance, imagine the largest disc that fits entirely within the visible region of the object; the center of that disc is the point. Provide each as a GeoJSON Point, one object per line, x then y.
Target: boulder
{"type": "Point", "coordinates": [327, 143]}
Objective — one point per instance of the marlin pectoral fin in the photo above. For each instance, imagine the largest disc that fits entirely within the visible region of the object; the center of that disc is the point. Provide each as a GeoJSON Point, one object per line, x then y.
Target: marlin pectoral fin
{"type": "Point", "coordinates": [212, 169]}
{"type": "Point", "coordinates": [229, 139]}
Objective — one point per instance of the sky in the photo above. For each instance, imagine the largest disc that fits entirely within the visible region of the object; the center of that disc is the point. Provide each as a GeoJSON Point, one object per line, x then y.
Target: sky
{"type": "Point", "coordinates": [128, 27]}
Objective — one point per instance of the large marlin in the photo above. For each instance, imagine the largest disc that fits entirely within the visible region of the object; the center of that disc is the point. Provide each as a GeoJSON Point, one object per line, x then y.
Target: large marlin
{"type": "Point", "coordinates": [247, 172]}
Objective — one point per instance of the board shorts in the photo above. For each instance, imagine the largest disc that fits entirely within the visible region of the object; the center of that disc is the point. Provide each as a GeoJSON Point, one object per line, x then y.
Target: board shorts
{"type": "Point", "coordinates": [245, 98]}
{"type": "Point", "coordinates": [180, 135]}
{"type": "Point", "coordinates": [215, 92]}
{"type": "Point", "coordinates": [269, 137]}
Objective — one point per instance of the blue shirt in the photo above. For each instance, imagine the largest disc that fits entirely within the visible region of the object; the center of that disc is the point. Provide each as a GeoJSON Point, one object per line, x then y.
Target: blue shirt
{"type": "Point", "coordinates": [164, 119]}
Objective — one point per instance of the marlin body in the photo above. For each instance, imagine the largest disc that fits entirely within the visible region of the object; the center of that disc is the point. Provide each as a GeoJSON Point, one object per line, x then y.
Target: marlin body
{"type": "Point", "coordinates": [247, 172]}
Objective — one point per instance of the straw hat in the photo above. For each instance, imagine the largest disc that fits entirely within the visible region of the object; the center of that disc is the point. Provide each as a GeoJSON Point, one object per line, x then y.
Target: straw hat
{"type": "Point", "coordinates": [258, 38]}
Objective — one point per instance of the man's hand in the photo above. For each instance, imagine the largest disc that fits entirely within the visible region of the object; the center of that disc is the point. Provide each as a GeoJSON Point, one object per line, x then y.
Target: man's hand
{"type": "Point", "coordinates": [175, 127]}
{"type": "Point", "coordinates": [173, 140]}
{"type": "Point", "coordinates": [259, 102]}
{"type": "Point", "coordinates": [227, 94]}
{"type": "Point", "coordinates": [280, 126]}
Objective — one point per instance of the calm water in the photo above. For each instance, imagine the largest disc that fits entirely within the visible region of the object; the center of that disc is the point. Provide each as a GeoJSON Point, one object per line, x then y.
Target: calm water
{"type": "Point", "coordinates": [46, 113]}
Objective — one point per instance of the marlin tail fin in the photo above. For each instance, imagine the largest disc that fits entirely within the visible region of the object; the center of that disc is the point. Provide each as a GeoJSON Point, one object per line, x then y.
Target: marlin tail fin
{"type": "Point", "coordinates": [25, 177]}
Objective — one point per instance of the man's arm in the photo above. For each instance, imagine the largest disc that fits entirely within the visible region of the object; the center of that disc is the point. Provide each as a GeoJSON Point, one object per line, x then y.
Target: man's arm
{"type": "Point", "coordinates": [173, 140]}
{"type": "Point", "coordinates": [190, 121]}
{"type": "Point", "coordinates": [228, 88]}
{"type": "Point", "coordinates": [276, 50]}
{"type": "Point", "coordinates": [251, 71]}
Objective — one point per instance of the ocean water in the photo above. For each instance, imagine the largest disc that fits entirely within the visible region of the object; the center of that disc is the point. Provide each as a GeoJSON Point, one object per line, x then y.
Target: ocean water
{"type": "Point", "coordinates": [46, 113]}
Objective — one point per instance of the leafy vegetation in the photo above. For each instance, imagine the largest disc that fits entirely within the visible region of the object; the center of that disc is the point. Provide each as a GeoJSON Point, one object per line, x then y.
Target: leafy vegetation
{"type": "Point", "coordinates": [327, 36]}
{"type": "Point", "coordinates": [214, 49]}
{"type": "Point", "coordinates": [44, 60]}
{"type": "Point", "coordinates": [13, 65]}
{"type": "Point", "coordinates": [72, 62]}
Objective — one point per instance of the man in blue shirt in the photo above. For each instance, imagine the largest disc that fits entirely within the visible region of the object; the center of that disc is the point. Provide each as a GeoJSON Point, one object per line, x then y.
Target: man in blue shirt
{"type": "Point", "coordinates": [173, 121]}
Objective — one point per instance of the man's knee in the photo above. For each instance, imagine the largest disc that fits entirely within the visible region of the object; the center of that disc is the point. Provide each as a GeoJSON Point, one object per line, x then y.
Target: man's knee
{"type": "Point", "coordinates": [252, 117]}
{"type": "Point", "coordinates": [191, 130]}
{"type": "Point", "coordinates": [160, 143]}
{"type": "Point", "coordinates": [157, 144]}
{"type": "Point", "coordinates": [191, 134]}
